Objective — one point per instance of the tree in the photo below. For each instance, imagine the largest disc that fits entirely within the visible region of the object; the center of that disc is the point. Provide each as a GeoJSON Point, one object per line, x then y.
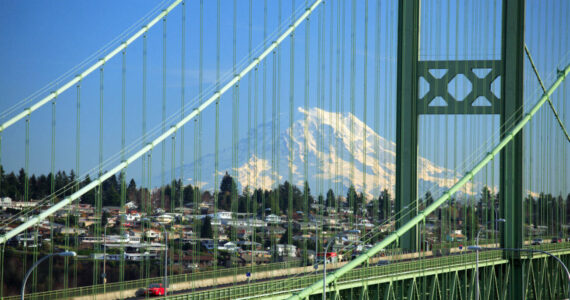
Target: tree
{"type": "Point", "coordinates": [104, 218]}
{"type": "Point", "coordinates": [351, 196]}
{"type": "Point", "coordinates": [330, 198]}
{"type": "Point", "coordinates": [206, 230]}
{"type": "Point", "coordinates": [385, 204]}
{"type": "Point", "coordinates": [428, 198]}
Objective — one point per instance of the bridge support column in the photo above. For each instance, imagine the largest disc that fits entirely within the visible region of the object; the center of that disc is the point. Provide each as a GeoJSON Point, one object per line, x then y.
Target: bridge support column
{"type": "Point", "coordinates": [407, 118]}
{"type": "Point", "coordinates": [511, 177]}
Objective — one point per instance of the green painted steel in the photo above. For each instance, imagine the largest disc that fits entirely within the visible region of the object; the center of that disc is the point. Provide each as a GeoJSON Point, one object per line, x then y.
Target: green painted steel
{"type": "Point", "coordinates": [406, 115]}
{"type": "Point", "coordinates": [511, 162]}
{"type": "Point", "coordinates": [508, 137]}
{"type": "Point", "coordinates": [438, 87]}
{"type": "Point", "coordinates": [92, 68]}
{"type": "Point", "coordinates": [38, 218]}
{"type": "Point", "coordinates": [448, 277]}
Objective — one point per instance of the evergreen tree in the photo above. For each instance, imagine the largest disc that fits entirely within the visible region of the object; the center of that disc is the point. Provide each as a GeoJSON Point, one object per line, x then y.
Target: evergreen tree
{"type": "Point", "coordinates": [330, 198]}
{"type": "Point", "coordinates": [206, 230]}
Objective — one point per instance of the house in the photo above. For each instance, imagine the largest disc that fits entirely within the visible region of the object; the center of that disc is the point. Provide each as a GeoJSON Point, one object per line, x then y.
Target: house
{"type": "Point", "coordinates": [130, 205]}
{"type": "Point", "coordinates": [286, 250]}
{"type": "Point", "coordinates": [272, 219]}
{"type": "Point", "coordinates": [165, 219]}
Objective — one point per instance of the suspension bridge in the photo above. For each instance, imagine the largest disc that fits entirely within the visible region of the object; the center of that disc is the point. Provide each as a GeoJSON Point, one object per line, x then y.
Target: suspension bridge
{"type": "Point", "coordinates": [348, 149]}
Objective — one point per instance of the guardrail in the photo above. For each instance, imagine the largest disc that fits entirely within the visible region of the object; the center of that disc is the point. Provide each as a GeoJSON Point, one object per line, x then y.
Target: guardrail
{"type": "Point", "coordinates": [142, 283]}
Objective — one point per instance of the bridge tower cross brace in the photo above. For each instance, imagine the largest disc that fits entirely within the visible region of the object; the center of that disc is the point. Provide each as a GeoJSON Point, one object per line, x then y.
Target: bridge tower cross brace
{"type": "Point", "coordinates": [410, 106]}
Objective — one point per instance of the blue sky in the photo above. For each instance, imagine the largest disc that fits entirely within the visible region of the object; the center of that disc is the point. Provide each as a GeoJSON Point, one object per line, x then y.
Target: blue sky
{"type": "Point", "coordinates": [42, 40]}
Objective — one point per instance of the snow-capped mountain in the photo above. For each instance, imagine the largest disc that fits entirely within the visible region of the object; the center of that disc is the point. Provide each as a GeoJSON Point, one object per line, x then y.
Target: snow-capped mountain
{"type": "Point", "coordinates": [329, 156]}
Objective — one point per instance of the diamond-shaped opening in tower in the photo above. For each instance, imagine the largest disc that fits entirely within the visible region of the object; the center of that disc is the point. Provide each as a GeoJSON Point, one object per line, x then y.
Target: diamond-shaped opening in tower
{"type": "Point", "coordinates": [481, 101]}
{"type": "Point", "coordinates": [423, 87]}
{"type": "Point", "coordinates": [438, 73]}
{"type": "Point", "coordinates": [496, 87]}
{"type": "Point", "coordinates": [459, 87]}
{"type": "Point", "coordinates": [481, 73]}
{"type": "Point", "coordinates": [438, 101]}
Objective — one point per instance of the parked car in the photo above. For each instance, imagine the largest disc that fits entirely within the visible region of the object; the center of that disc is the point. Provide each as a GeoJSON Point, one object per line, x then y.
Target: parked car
{"type": "Point", "coordinates": [536, 242]}
{"type": "Point", "coordinates": [556, 240]}
{"type": "Point", "coordinates": [155, 289]}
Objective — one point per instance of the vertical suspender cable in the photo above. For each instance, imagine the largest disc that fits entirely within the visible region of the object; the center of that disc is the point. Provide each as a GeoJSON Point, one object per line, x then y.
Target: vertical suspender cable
{"type": "Point", "coordinates": [2, 263]}
{"type": "Point", "coordinates": [163, 152]}
{"type": "Point", "coordinates": [330, 110]}
{"type": "Point", "coordinates": [77, 170]}
{"type": "Point", "coordinates": [123, 172]}
{"type": "Point", "coordinates": [217, 143]}
{"type": "Point", "coordinates": [148, 211]}
{"type": "Point", "coordinates": [248, 194]}
{"type": "Point", "coordinates": [274, 158]}
{"type": "Point", "coordinates": [235, 137]}
{"type": "Point", "coordinates": [264, 104]}
{"type": "Point", "coordinates": [98, 202]}
{"type": "Point", "coordinates": [320, 108]}
{"type": "Point", "coordinates": [365, 112]}
{"type": "Point", "coordinates": [145, 192]}
{"type": "Point", "coordinates": [291, 107]}
{"type": "Point", "coordinates": [376, 204]}
{"type": "Point", "coordinates": [352, 195]}
{"type": "Point", "coordinates": [342, 61]}
{"type": "Point", "coordinates": [306, 131]}
{"type": "Point", "coordinates": [180, 184]}
{"type": "Point", "coordinates": [337, 111]}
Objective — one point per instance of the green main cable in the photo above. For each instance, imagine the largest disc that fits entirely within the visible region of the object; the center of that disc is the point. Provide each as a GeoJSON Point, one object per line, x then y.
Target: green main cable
{"type": "Point", "coordinates": [92, 68]}
{"type": "Point", "coordinates": [157, 140]}
{"type": "Point", "coordinates": [446, 196]}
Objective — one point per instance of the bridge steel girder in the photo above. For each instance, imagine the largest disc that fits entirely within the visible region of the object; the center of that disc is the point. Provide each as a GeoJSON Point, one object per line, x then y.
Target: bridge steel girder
{"type": "Point", "coordinates": [406, 116]}
{"type": "Point", "coordinates": [409, 106]}
{"type": "Point", "coordinates": [511, 159]}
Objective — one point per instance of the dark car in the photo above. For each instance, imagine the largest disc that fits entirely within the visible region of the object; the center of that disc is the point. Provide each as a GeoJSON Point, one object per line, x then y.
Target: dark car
{"type": "Point", "coordinates": [536, 242]}
{"type": "Point", "coordinates": [556, 240]}
{"type": "Point", "coordinates": [155, 289]}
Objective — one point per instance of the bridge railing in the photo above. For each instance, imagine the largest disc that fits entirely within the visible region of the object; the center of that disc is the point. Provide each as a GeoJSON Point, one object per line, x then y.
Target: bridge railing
{"type": "Point", "coordinates": [284, 287]}
{"type": "Point", "coordinates": [142, 283]}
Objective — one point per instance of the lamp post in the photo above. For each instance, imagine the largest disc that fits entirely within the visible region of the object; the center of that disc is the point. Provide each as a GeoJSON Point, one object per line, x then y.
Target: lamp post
{"type": "Point", "coordinates": [477, 257]}
{"type": "Point", "coordinates": [478, 248]}
{"type": "Point", "coordinates": [165, 253]}
{"type": "Point", "coordinates": [64, 254]}
{"type": "Point", "coordinates": [325, 266]}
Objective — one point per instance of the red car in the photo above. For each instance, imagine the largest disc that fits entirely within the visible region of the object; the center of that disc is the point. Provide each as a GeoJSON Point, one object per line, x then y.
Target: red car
{"type": "Point", "coordinates": [155, 289]}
